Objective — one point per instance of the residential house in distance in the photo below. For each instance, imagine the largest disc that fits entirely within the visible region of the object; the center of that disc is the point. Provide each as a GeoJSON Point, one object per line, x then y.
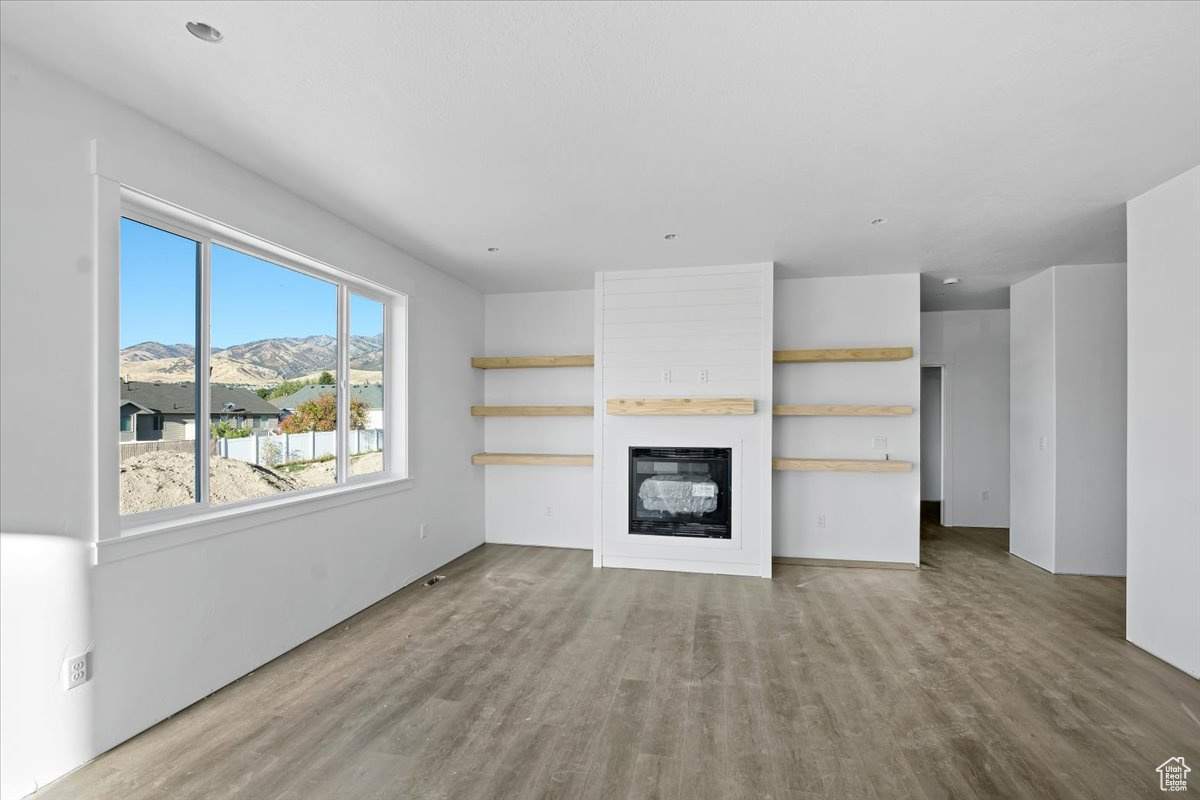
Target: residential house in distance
{"type": "Point", "coordinates": [167, 411]}
{"type": "Point", "coordinates": [369, 393]}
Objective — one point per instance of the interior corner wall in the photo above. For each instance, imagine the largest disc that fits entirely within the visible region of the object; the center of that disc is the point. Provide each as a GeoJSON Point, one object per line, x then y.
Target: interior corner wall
{"type": "Point", "coordinates": [538, 505]}
{"type": "Point", "coordinates": [168, 628]}
{"type": "Point", "coordinates": [974, 346]}
{"type": "Point", "coordinates": [867, 516]}
{"type": "Point", "coordinates": [1163, 546]}
{"type": "Point", "coordinates": [1068, 419]}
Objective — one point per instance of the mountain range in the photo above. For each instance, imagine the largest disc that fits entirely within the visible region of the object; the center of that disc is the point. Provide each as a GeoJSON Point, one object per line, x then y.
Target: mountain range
{"type": "Point", "coordinates": [266, 362]}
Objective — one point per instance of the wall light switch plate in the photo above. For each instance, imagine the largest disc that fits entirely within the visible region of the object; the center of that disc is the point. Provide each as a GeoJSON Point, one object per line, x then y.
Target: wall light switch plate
{"type": "Point", "coordinates": [424, 530]}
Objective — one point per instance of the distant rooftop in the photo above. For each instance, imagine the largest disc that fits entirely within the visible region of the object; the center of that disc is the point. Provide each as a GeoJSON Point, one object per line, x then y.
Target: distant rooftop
{"type": "Point", "coordinates": [180, 398]}
{"type": "Point", "coordinates": [369, 393]}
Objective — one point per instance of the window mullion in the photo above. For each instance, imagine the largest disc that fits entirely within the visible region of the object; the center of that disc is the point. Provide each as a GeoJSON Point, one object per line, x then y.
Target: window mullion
{"type": "Point", "coordinates": [203, 390]}
{"type": "Point", "coordinates": [343, 383]}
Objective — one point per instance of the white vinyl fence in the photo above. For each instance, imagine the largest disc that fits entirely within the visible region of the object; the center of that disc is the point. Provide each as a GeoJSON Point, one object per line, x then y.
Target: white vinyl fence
{"type": "Point", "coordinates": [274, 449]}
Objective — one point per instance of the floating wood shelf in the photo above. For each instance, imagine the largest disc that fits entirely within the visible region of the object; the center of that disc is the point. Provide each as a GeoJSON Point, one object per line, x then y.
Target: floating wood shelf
{"type": "Point", "coordinates": [841, 465]}
{"type": "Point", "coordinates": [531, 411]}
{"type": "Point", "coordinates": [843, 411]}
{"type": "Point", "coordinates": [843, 354]}
{"type": "Point", "coordinates": [686, 406]}
{"type": "Point", "coordinates": [533, 458]}
{"type": "Point", "coordinates": [524, 362]}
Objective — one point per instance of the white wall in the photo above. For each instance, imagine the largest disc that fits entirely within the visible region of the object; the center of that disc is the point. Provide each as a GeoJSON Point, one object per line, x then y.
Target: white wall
{"type": "Point", "coordinates": [1089, 345]}
{"type": "Point", "coordinates": [1031, 421]}
{"type": "Point", "coordinates": [550, 505]}
{"type": "Point", "coordinates": [684, 320]}
{"type": "Point", "coordinates": [974, 347]}
{"type": "Point", "coordinates": [931, 434]}
{"type": "Point", "coordinates": [868, 516]}
{"type": "Point", "coordinates": [1068, 419]}
{"type": "Point", "coordinates": [1163, 587]}
{"type": "Point", "coordinates": [170, 627]}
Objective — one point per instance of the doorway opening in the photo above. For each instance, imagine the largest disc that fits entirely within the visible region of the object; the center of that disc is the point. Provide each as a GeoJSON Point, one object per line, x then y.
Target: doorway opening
{"type": "Point", "coordinates": [933, 445]}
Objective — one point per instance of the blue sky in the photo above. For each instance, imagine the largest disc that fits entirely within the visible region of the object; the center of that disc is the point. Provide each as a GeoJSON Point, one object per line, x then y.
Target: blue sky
{"type": "Point", "coordinates": [252, 299]}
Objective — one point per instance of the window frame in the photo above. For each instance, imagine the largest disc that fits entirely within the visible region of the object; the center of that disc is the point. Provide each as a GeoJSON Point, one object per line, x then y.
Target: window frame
{"type": "Point", "coordinates": [206, 232]}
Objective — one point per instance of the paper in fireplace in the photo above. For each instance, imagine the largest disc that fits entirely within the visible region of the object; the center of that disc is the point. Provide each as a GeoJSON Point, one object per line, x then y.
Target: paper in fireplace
{"type": "Point", "coordinates": [679, 494]}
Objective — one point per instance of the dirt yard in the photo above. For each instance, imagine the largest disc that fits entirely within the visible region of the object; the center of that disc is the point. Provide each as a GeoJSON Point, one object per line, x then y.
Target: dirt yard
{"type": "Point", "coordinates": [166, 480]}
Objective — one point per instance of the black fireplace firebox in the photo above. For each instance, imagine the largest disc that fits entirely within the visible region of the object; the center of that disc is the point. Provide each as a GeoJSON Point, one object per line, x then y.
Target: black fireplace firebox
{"type": "Point", "coordinates": [680, 491]}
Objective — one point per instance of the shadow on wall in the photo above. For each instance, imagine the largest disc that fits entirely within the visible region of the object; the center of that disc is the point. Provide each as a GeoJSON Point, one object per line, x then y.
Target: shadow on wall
{"type": "Point", "coordinates": [46, 730]}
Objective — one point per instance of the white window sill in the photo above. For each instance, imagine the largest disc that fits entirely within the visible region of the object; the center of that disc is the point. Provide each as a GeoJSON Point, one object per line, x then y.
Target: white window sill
{"type": "Point", "coordinates": [160, 535]}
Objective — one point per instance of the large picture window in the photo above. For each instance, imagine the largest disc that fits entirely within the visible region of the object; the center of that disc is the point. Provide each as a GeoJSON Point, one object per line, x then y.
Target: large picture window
{"type": "Point", "coordinates": [244, 374]}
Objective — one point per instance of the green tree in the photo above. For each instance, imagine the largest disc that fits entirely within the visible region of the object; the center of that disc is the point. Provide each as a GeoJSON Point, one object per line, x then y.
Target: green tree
{"type": "Point", "coordinates": [320, 414]}
{"type": "Point", "coordinates": [285, 388]}
{"type": "Point", "coordinates": [325, 379]}
{"type": "Point", "coordinates": [225, 429]}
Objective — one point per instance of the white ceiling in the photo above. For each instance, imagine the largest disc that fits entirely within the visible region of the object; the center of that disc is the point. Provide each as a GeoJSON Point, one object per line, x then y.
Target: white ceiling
{"type": "Point", "coordinates": [998, 139]}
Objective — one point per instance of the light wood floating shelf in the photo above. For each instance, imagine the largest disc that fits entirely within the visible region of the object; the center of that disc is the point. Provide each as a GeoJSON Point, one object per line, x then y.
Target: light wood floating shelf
{"type": "Point", "coordinates": [531, 411]}
{"type": "Point", "coordinates": [841, 465]}
{"type": "Point", "coordinates": [533, 458]}
{"type": "Point", "coordinates": [843, 411]}
{"type": "Point", "coordinates": [524, 362]}
{"type": "Point", "coordinates": [844, 354]}
{"type": "Point", "coordinates": [685, 406]}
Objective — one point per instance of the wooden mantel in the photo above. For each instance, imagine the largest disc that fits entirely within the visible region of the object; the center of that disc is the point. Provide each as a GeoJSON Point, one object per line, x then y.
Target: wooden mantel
{"type": "Point", "coordinates": [843, 354]}
{"type": "Point", "coordinates": [680, 406]}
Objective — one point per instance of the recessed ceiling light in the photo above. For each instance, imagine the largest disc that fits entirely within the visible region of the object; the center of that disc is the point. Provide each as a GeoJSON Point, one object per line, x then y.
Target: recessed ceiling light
{"type": "Point", "coordinates": [950, 282]}
{"type": "Point", "coordinates": [671, 236]}
{"type": "Point", "coordinates": [879, 221]}
{"type": "Point", "coordinates": [204, 32]}
{"type": "Point", "coordinates": [493, 249]}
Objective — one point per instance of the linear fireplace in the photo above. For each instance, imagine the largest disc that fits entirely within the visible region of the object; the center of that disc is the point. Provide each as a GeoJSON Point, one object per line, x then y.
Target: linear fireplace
{"type": "Point", "coordinates": [680, 491]}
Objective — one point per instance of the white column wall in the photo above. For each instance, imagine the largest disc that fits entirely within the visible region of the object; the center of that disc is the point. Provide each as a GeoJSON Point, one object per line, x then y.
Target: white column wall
{"type": "Point", "coordinates": [1031, 424]}
{"type": "Point", "coordinates": [1163, 546]}
{"type": "Point", "coordinates": [1068, 419]}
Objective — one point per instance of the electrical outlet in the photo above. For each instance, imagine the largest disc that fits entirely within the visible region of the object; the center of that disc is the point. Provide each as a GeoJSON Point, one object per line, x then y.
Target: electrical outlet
{"type": "Point", "coordinates": [702, 376]}
{"type": "Point", "coordinates": [881, 443]}
{"type": "Point", "coordinates": [549, 511]}
{"type": "Point", "coordinates": [77, 670]}
{"type": "Point", "coordinates": [985, 496]}
{"type": "Point", "coordinates": [424, 529]}
{"type": "Point", "coordinates": [1041, 443]}
{"type": "Point", "coordinates": [666, 376]}
{"type": "Point", "coordinates": [820, 520]}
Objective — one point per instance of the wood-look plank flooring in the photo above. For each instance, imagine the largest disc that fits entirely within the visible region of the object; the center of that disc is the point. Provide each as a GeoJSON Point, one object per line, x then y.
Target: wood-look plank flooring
{"type": "Point", "coordinates": [526, 673]}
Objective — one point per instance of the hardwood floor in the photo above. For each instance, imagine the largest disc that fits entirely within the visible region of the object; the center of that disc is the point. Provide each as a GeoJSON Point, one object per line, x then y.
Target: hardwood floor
{"type": "Point", "coordinates": [526, 673]}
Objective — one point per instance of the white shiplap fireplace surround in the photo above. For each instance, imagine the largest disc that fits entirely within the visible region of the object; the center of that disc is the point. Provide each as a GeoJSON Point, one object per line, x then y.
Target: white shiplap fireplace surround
{"type": "Point", "coordinates": [694, 332]}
